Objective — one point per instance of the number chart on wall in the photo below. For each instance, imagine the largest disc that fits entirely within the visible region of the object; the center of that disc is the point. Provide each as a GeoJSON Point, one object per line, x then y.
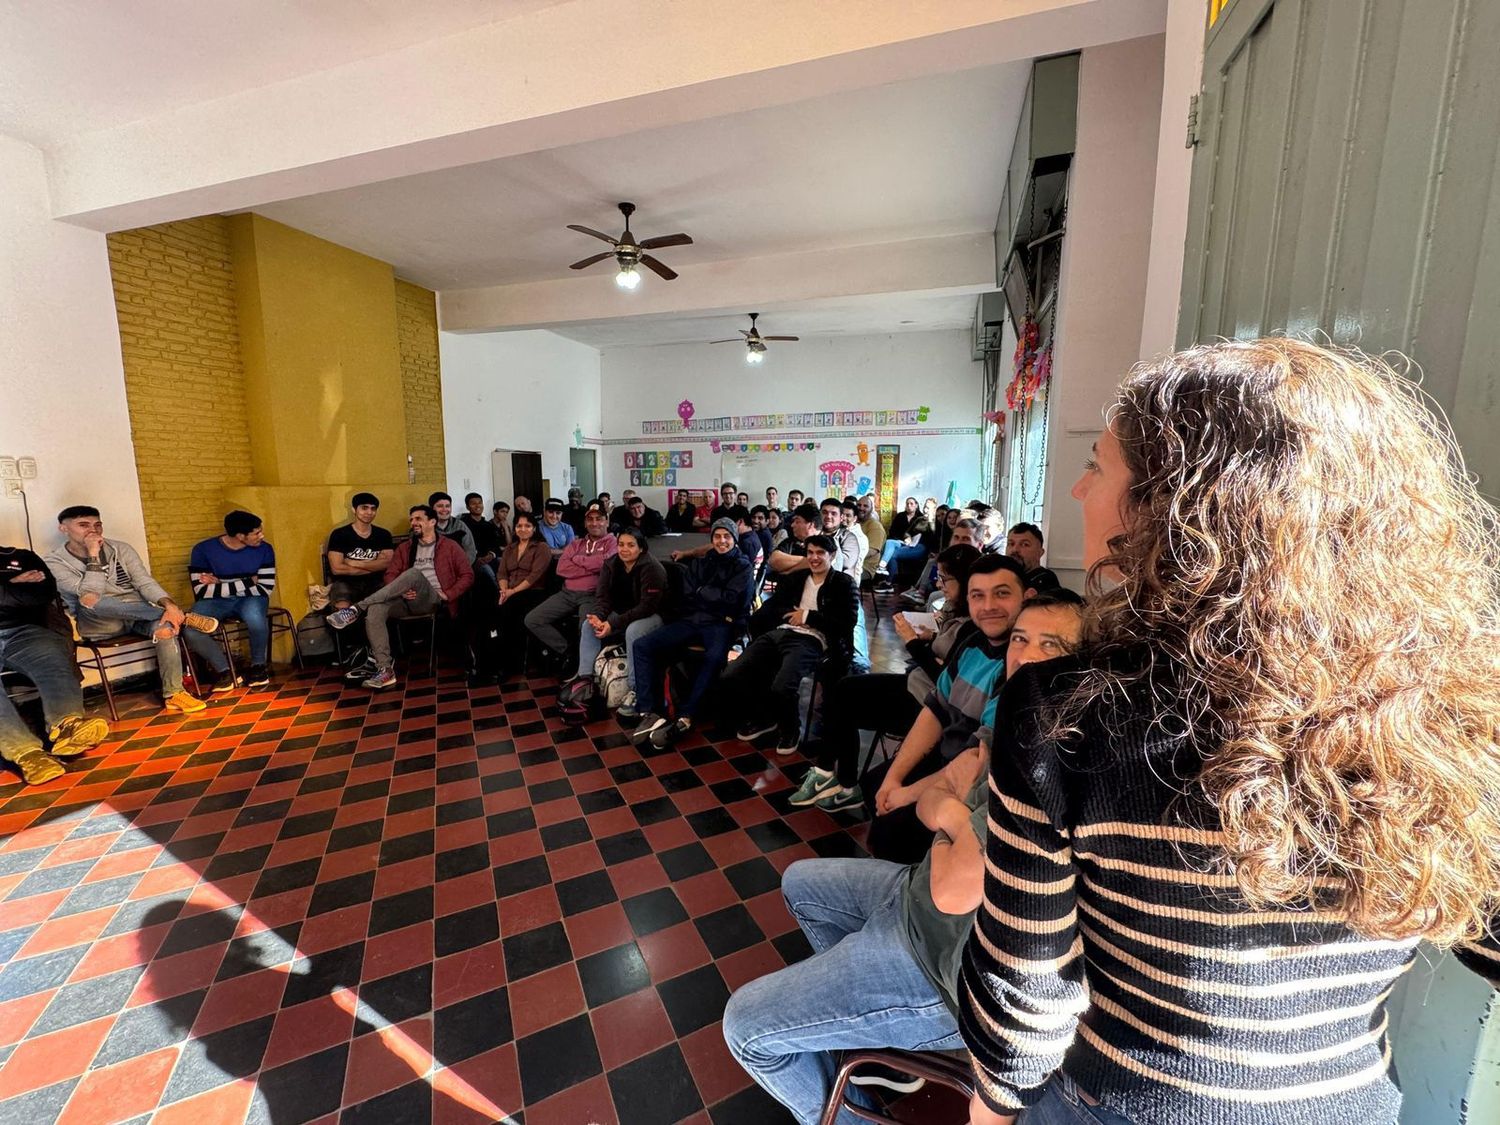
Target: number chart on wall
{"type": "Point", "coordinates": [657, 468]}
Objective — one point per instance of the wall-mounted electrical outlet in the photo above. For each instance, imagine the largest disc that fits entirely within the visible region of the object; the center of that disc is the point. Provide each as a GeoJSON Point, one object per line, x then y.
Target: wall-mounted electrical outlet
{"type": "Point", "coordinates": [12, 488]}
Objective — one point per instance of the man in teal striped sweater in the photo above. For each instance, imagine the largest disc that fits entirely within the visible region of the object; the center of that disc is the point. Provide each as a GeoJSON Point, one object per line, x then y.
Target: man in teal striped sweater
{"type": "Point", "coordinates": [888, 939]}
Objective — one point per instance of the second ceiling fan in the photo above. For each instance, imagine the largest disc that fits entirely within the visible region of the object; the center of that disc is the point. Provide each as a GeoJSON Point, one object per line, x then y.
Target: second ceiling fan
{"type": "Point", "coordinates": [755, 343]}
{"type": "Point", "coordinates": [629, 253]}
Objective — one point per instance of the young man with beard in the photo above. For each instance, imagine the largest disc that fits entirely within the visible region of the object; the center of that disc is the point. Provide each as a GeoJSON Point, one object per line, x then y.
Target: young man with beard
{"type": "Point", "coordinates": [427, 571]}
{"type": "Point", "coordinates": [109, 592]}
{"type": "Point", "coordinates": [1024, 544]}
{"type": "Point", "coordinates": [578, 566]}
{"type": "Point", "coordinates": [959, 707]}
{"type": "Point", "coordinates": [887, 939]}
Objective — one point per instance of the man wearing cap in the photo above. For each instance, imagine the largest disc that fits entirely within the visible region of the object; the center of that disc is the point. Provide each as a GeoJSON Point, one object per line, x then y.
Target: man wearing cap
{"type": "Point", "coordinates": [358, 554]}
{"type": "Point", "coordinates": [575, 510]}
{"type": "Point", "coordinates": [556, 533]}
{"type": "Point", "coordinates": [578, 566]}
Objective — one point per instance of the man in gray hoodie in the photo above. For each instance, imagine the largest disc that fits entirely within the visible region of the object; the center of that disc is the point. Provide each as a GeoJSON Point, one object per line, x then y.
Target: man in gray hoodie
{"type": "Point", "coordinates": [109, 591]}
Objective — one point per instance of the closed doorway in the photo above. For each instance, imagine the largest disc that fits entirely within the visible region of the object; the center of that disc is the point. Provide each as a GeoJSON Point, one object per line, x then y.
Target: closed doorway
{"type": "Point", "coordinates": [584, 476]}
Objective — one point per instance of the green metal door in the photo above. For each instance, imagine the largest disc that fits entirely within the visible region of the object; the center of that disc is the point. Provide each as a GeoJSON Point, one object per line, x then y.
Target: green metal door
{"type": "Point", "coordinates": [1345, 182]}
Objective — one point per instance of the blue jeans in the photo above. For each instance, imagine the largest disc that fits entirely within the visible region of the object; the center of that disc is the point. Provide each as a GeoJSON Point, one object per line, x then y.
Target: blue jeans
{"type": "Point", "coordinates": [654, 649]}
{"type": "Point", "coordinates": [46, 659]}
{"type": "Point", "coordinates": [250, 611]}
{"type": "Point", "coordinates": [589, 646]}
{"type": "Point", "coordinates": [861, 988]}
{"type": "Point", "coordinates": [1061, 1105]}
{"type": "Point", "coordinates": [110, 617]}
{"type": "Point", "coordinates": [895, 549]}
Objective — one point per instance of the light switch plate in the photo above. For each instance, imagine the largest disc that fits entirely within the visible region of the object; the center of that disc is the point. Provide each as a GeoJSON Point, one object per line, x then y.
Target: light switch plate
{"type": "Point", "coordinates": [27, 466]}
{"type": "Point", "coordinates": [9, 468]}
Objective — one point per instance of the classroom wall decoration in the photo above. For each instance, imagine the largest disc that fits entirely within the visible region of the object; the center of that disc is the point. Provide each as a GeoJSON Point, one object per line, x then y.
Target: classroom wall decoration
{"type": "Point", "coordinates": [888, 478]}
{"type": "Point", "coordinates": [806, 420]}
{"type": "Point", "coordinates": [764, 446]}
{"type": "Point", "coordinates": [657, 468]}
{"type": "Point", "coordinates": [836, 478]}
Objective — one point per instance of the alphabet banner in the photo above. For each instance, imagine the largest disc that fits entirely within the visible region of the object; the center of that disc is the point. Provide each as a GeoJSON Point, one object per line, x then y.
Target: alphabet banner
{"type": "Point", "coordinates": [887, 479]}
{"type": "Point", "coordinates": [819, 419]}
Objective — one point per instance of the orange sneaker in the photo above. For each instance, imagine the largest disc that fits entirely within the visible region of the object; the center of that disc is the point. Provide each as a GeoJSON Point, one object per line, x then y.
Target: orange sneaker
{"type": "Point", "coordinates": [184, 703]}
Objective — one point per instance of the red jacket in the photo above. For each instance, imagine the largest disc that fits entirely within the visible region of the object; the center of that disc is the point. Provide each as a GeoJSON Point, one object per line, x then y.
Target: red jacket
{"type": "Point", "coordinates": [454, 573]}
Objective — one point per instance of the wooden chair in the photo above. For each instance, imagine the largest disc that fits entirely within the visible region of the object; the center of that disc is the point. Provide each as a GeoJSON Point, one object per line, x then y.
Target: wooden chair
{"type": "Point", "coordinates": [948, 1070]}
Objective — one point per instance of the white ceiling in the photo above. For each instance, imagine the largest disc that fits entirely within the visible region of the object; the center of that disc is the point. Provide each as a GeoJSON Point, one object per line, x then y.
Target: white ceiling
{"type": "Point", "coordinates": [874, 314]}
{"type": "Point", "coordinates": [917, 159]}
{"type": "Point", "coordinates": [74, 66]}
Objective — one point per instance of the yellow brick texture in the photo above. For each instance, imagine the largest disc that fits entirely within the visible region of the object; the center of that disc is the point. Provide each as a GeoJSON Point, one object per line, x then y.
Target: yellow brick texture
{"type": "Point", "coordinates": [184, 382]}
{"type": "Point", "coordinates": [421, 385]}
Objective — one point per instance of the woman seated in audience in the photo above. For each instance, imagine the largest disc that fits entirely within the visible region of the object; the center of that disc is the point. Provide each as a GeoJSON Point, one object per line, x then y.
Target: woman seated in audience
{"type": "Point", "coordinates": [627, 605]}
{"type": "Point", "coordinates": [884, 701]}
{"type": "Point", "coordinates": [777, 529]}
{"type": "Point", "coordinates": [682, 516]}
{"type": "Point", "coordinates": [522, 576]}
{"type": "Point", "coordinates": [911, 539]}
{"type": "Point", "coordinates": [940, 528]}
{"type": "Point", "coordinates": [1219, 834]}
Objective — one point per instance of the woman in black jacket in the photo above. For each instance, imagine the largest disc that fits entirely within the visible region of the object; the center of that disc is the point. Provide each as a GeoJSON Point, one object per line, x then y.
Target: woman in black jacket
{"type": "Point", "coordinates": [627, 602]}
{"type": "Point", "coordinates": [810, 617]}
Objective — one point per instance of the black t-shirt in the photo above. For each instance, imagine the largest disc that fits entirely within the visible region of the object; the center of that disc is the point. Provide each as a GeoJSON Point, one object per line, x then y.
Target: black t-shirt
{"type": "Point", "coordinates": [347, 542]}
{"type": "Point", "coordinates": [721, 512]}
{"type": "Point", "coordinates": [24, 603]}
{"type": "Point", "coordinates": [486, 534]}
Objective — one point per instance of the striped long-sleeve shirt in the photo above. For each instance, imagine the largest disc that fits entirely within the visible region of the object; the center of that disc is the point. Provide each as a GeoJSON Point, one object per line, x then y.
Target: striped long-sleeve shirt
{"type": "Point", "coordinates": [249, 572]}
{"type": "Point", "coordinates": [1112, 944]}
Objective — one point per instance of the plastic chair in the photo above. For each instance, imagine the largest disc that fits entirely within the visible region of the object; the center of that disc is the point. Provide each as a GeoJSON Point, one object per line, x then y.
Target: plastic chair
{"type": "Point", "coordinates": [947, 1070]}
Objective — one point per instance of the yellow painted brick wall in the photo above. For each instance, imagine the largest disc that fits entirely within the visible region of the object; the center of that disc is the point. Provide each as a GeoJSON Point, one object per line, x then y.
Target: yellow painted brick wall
{"type": "Point", "coordinates": [422, 389]}
{"type": "Point", "coordinates": [184, 382]}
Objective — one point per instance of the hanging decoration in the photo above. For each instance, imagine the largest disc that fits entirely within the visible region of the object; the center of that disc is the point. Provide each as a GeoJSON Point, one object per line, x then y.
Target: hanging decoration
{"type": "Point", "coordinates": [1033, 367]}
{"type": "Point", "coordinates": [577, 436]}
{"type": "Point", "coordinates": [685, 412]}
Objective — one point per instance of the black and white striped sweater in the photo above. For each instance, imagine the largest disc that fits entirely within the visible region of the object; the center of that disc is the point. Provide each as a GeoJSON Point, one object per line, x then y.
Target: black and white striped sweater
{"type": "Point", "coordinates": [1112, 945]}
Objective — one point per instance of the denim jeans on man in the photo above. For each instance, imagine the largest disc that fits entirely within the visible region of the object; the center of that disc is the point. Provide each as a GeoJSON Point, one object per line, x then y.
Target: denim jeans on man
{"type": "Point", "coordinates": [45, 658]}
{"type": "Point", "coordinates": [652, 651]}
{"type": "Point", "coordinates": [861, 988]}
{"type": "Point", "coordinates": [249, 611]}
{"type": "Point", "coordinates": [896, 550]}
{"type": "Point", "coordinates": [589, 645]}
{"type": "Point", "coordinates": [111, 616]}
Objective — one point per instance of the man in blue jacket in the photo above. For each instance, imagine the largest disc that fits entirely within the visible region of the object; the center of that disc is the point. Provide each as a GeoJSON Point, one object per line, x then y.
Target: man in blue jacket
{"type": "Point", "coordinates": [715, 603]}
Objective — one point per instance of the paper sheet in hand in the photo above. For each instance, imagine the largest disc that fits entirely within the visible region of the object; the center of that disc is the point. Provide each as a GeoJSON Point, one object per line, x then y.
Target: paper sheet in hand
{"type": "Point", "coordinates": [920, 620]}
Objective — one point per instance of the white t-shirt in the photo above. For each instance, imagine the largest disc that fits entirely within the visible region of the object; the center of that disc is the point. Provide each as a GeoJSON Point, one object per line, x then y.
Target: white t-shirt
{"type": "Point", "coordinates": [807, 605]}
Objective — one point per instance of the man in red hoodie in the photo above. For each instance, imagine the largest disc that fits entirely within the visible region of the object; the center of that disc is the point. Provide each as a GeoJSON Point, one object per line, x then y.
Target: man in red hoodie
{"type": "Point", "coordinates": [578, 566]}
{"type": "Point", "coordinates": [427, 570]}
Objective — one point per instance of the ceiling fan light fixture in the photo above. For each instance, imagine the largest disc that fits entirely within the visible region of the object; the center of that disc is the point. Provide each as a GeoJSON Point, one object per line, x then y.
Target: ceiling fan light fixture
{"type": "Point", "coordinates": [627, 278]}
{"type": "Point", "coordinates": [755, 355]}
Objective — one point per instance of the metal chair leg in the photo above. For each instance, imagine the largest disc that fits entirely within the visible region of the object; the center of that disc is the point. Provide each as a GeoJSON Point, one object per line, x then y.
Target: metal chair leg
{"type": "Point", "coordinates": [109, 694]}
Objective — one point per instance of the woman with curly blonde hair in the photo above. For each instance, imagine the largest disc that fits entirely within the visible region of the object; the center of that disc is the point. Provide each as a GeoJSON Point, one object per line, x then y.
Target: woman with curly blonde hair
{"type": "Point", "coordinates": [1219, 833]}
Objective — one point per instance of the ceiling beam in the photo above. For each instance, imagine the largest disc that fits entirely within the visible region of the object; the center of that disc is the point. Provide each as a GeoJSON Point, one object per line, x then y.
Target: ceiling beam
{"type": "Point", "coordinates": [920, 267]}
{"type": "Point", "coordinates": [563, 74]}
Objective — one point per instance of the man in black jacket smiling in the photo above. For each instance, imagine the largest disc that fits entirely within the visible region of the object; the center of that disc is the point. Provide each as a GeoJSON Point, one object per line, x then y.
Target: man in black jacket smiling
{"type": "Point", "coordinates": [812, 613]}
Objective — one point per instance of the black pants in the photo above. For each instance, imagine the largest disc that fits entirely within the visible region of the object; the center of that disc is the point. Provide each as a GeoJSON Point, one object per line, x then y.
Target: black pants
{"type": "Point", "coordinates": [505, 653]}
{"type": "Point", "coordinates": [876, 702]}
{"type": "Point", "coordinates": [899, 836]}
{"type": "Point", "coordinates": [774, 663]}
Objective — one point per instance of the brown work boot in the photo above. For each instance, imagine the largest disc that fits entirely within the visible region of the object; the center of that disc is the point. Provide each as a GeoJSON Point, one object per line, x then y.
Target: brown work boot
{"type": "Point", "coordinates": [77, 735]}
{"type": "Point", "coordinates": [37, 766]}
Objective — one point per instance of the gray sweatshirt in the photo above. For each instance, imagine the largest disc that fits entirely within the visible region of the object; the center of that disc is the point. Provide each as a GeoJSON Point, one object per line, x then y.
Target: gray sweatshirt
{"type": "Point", "coordinates": [121, 574]}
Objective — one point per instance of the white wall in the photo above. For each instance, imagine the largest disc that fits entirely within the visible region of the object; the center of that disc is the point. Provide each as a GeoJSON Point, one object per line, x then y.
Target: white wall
{"type": "Point", "coordinates": [1182, 77]}
{"type": "Point", "coordinates": [514, 390]}
{"type": "Point", "coordinates": [893, 372]}
{"type": "Point", "coordinates": [62, 382]}
{"type": "Point", "coordinates": [1103, 281]}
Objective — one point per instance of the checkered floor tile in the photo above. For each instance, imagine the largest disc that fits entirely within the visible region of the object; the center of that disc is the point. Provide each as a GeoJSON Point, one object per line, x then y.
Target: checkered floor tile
{"type": "Point", "coordinates": [311, 904]}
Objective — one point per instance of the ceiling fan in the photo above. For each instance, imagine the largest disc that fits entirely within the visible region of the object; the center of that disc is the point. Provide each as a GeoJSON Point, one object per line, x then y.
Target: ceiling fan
{"type": "Point", "coordinates": [755, 343]}
{"type": "Point", "coordinates": [629, 253]}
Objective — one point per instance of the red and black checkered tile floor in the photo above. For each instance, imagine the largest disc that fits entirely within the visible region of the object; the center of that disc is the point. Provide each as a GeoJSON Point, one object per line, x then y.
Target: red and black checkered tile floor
{"type": "Point", "coordinates": [311, 904]}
